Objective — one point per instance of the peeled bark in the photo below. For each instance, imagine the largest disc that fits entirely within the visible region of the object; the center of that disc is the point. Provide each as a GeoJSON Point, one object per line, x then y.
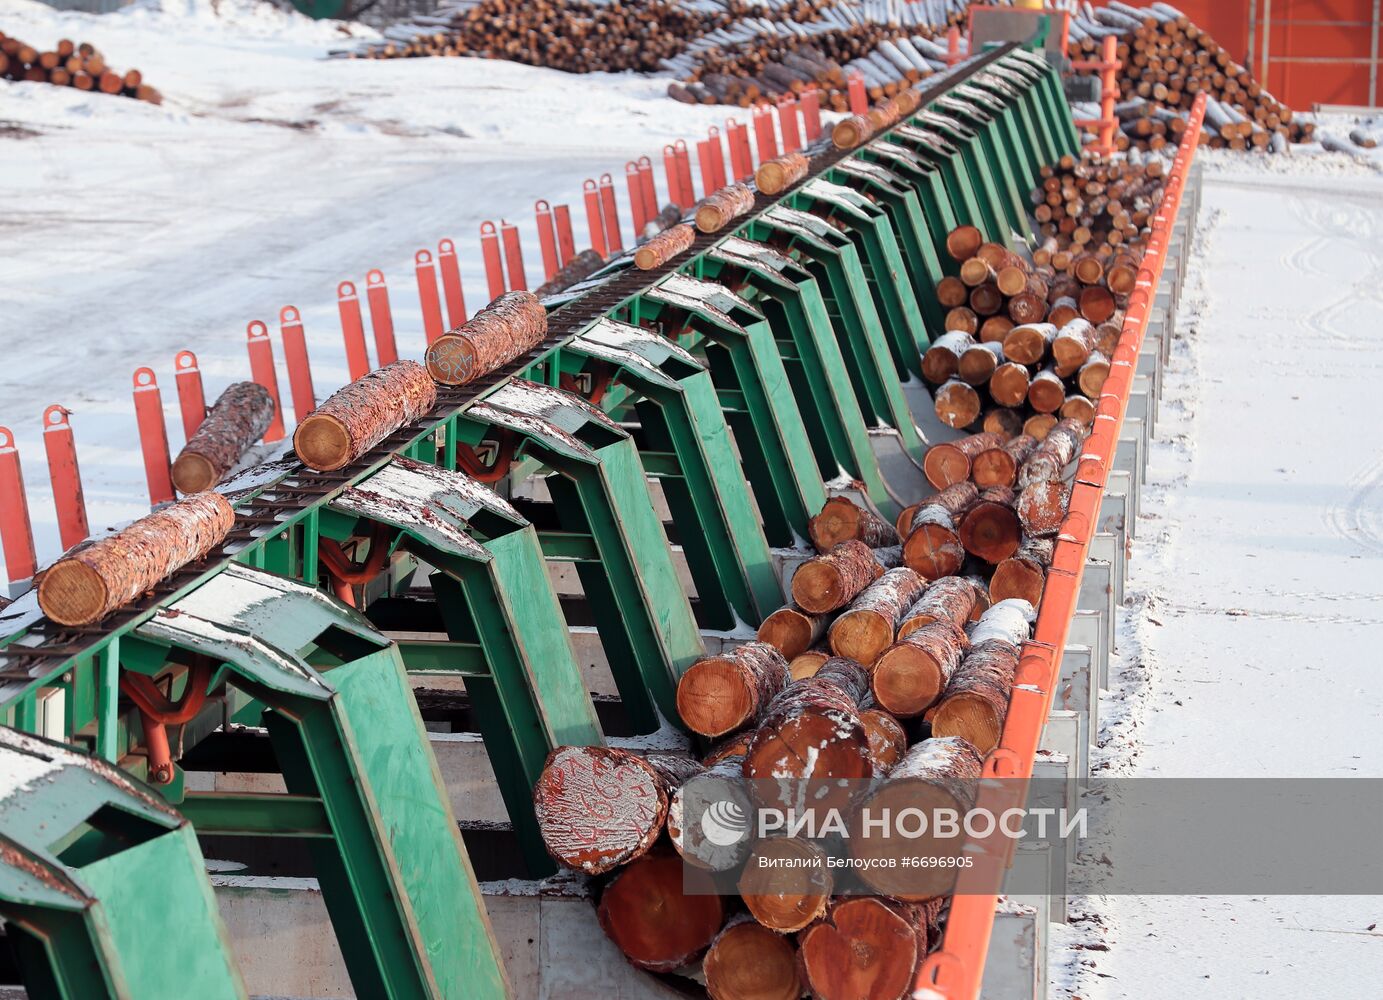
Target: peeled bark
{"type": "Point", "coordinates": [665, 246]}
{"type": "Point", "coordinates": [975, 703]}
{"type": "Point", "coordinates": [953, 599]}
{"type": "Point", "coordinates": [941, 360]}
{"type": "Point", "coordinates": [1050, 458]}
{"type": "Point", "coordinates": [573, 272]}
{"type": "Point", "coordinates": [1046, 392]}
{"type": "Point", "coordinates": [92, 581]}
{"type": "Point", "coordinates": [749, 961]}
{"type": "Point", "coordinates": [1008, 386]}
{"type": "Point", "coordinates": [937, 773]}
{"type": "Point", "coordinates": [1028, 344]}
{"type": "Point", "coordinates": [978, 363]}
{"type": "Point", "coordinates": [722, 782]}
{"type": "Point", "coordinates": [652, 918]}
{"type": "Point", "coordinates": [1023, 574]}
{"type": "Point", "coordinates": [868, 626]}
{"type": "Point", "coordinates": [829, 582]}
{"type": "Point", "coordinates": [990, 529]}
{"type": "Point", "coordinates": [963, 241]}
{"type": "Point", "coordinates": [1072, 345]}
{"type": "Point", "coordinates": [780, 173]}
{"type": "Point", "coordinates": [507, 328]}
{"type": "Point", "coordinates": [933, 546]}
{"type": "Point", "coordinates": [789, 898]}
{"type": "Point", "coordinates": [998, 466]}
{"type": "Point", "coordinates": [793, 631]}
{"type": "Point", "coordinates": [957, 404]}
{"type": "Point", "coordinates": [632, 798]}
{"type": "Point", "coordinates": [719, 208]}
{"type": "Point", "coordinates": [238, 419]}
{"type": "Point", "coordinates": [719, 694]}
{"type": "Point", "coordinates": [363, 413]}
{"type": "Point", "coordinates": [866, 949]}
{"type": "Point", "coordinates": [951, 461]}
{"type": "Point", "coordinates": [841, 520]}
{"type": "Point", "coordinates": [850, 132]}
{"type": "Point", "coordinates": [911, 674]}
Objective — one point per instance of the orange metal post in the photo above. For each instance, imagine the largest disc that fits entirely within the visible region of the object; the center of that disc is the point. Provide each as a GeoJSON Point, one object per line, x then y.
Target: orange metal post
{"type": "Point", "coordinates": [494, 266]}
{"type": "Point", "coordinates": [765, 136]}
{"type": "Point", "coordinates": [295, 356]}
{"type": "Point", "coordinates": [513, 256]}
{"type": "Point", "coordinates": [684, 175]}
{"type": "Point", "coordinates": [953, 46]}
{"type": "Point", "coordinates": [859, 97]}
{"type": "Point", "coordinates": [191, 397]}
{"type": "Point", "coordinates": [427, 294]}
{"type": "Point", "coordinates": [648, 189]}
{"type": "Point", "coordinates": [704, 158]}
{"type": "Point", "coordinates": [451, 283]}
{"type": "Point", "coordinates": [609, 211]}
{"type": "Point", "coordinates": [741, 162]}
{"type": "Point", "coordinates": [566, 243]}
{"type": "Point", "coordinates": [352, 330]}
{"type": "Point", "coordinates": [595, 217]}
{"type": "Point", "coordinates": [547, 239]}
{"type": "Point", "coordinates": [262, 371]}
{"type": "Point", "coordinates": [787, 121]}
{"type": "Point", "coordinates": [381, 317]}
{"type": "Point", "coordinates": [65, 476]}
{"type": "Point", "coordinates": [717, 159]}
{"type": "Point", "coordinates": [674, 178]}
{"type": "Point", "coordinates": [1108, 64]}
{"type": "Point", "coordinates": [811, 113]}
{"type": "Point", "coordinates": [16, 530]}
{"type": "Point", "coordinates": [153, 436]}
{"type": "Point", "coordinates": [637, 209]}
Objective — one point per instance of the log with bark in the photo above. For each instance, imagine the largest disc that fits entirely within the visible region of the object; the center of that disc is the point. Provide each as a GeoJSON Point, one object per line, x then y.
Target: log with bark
{"type": "Point", "coordinates": [1046, 392]}
{"type": "Point", "coordinates": [979, 362]}
{"type": "Point", "coordinates": [957, 404]}
{"type": "Point", "coordinates": [748, 961]}
{"type": "Point", "coordinates": [955, 599]}
{"type": "Point", "coordinates": [868, 626]}
{"type": "Point", "coordinates": [363, 413]}
{"type": "Point", "coordinates": [1050, 458]}
{"type": "Point", "coordinates": [933, 547]}
{"type": "Point", "coordinates": [867, 948]}
{"type": "Point", "coordinates": [1004, 420]}
{"type": "Point", "coordinates": [1009, 384]}
{"type": "Point", "coordinates": [719, 694]}
{"type": "Point", "coordinates": [1028, 344]}
{"type": "Point", "coordinates": [850, 132]}
{"type": "Point", "coordinates": [888, 740]}
{"type": "Point", "coordinates": [719, 208]}
{"type": "Point", "coordinates": [990, 529]}
{"type": "Point", "coordinates": [659, 913]}
{"type": "Point", "coordinates": [831, 581]}
{"type": "Point", "coordinates": [975, 702]}
{"type": "Point", "coordinates": [950, 462]}
{"type": "Point", "coordinates": [1092, 375]}
{"type": "Point", "coordinates": [98, 577]}
{"type": "Point", "coordinates": [1072, 346]}
{"type": "Point", "coordinates": [793, 631]}
{"type": "Point", "coordinates": [910, 675]}
{"type": "Point", "coordinates": [998, 466]}
{"type": "Point", "coordinates": [786, 884]}
{"type": "Point", "coordinates": [663, 247]}
{"type": "Point", "coordinates": [720, 789]}
{"type": "Point", "coordinates": [941, 360]}
{"type": "Point", "coordinates": [963, 242]}
{"type": "Point", "coordinates": [841, 520]}
{"type": "Point", "coordinates": [780, 173]}
{"type": "Point", "coordinates": [234, 424]}
{"type": "Point", "coordinates": [1042, 506]}
{"type": "Point", "coordinates": [573, 272]}
{"type": "Point", "coordinates": [507, 328]}
{"type": "Point", "coordinates": [807, 664]}
{"type": "Point", "coordinates": [1023, 574]}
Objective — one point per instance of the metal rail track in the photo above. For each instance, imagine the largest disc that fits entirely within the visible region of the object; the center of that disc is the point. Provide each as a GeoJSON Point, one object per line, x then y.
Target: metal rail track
{"type": "Point", "coordinates": [44, 647]}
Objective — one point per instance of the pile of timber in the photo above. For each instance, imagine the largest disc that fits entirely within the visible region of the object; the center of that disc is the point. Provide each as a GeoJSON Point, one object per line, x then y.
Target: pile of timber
{"type": "Point", "coordinates": [1097, 205]}
{"type": "Point", "coordinates": [1167, 61]}
{"type": "Point", "coordinates": [71, 64]}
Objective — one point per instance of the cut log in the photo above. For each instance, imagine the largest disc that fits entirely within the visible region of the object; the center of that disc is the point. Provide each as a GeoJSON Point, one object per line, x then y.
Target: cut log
{"type": "Point", "coordinates": [1092, 375]}
{"type": "Point", "coordinates": [731, 746]}
{"type": "Point", "coordinates": [933, 546]}
{"type": "Point", "coordinates": [807, 664]}
{"type": "Point", "coordinates": [1027, 308]}
{"type": "Point", "coordinates": [1042, 507]}
{"type": "Point", "coordinates": [507, 328]}
{"type": "Point", "coordinates": [950, 462]}
{"type": "Point", "coordinates": [95, 579]}
{"type": "Point", "coordinates": [574, 271]}
{"type": "Point", "coordinates": [1008, 386]}
{"type": "Point", "coordinates": [1072, 345]}
{"type": "Point", "coordinates": [1012, 280]}
{"type": "Point", "coordinates": [1023, 574]}
{"type": "Point", "coordinates": [1046, 392]}
{"type": "Point", "coordinates": [748, 961]}
{"type": "Point", "coordinates": [793, 631]}
{"type": "Point", "coordinates": [850, 132]}
{"type": "Point", "coordinates": [841, 520]}
{"type": "Point", "coordinates": [1028, 344]}
{"type": "Point", "coordinates": [363, 413]}
{"type": "Point", "coordinates": [957, 404]}
{"type": "Point", "coordinates": [911, 674]}
{"type": "Point", "coordinates": [975, 703]}
{"type": "Point", "coordinates": [868, 626]}
{"type": "Point", "coordinates": [1097, 303]}
{"type": "Point", "coordinates": [719, 694]}
{"type": "Point", "coordinates": [232, 427]}
{"type": "Point", "coordinates": [941, 360]}
{"type": "Point", "coordinates": [1063, 310]}
{"type": "Point", "coordinates": [976, 271]}
{"type": "Point", "coordinates": [709, 841]}
{"type": "Point", "coordinates": [666, 245]}
{"type": "Point", "coordinates": [1004, 420]}
{"type": "Point", "coordinates": [830, 582]}
{"type": "Point", "coordinates": [1079, 409]}
{"type": "Point", "coordinates": [998, 466]}
{"type": "Point", "coordinates": [937, 773]}
{"type": "Point", "coordinates": [963, 242]}
{"type": "Point", "coordinates": [951, 292]}
{"type": "Point", "coordinates": [786, 884]}
{"type": "Point", "coordinates": [990, 529]}
{"type": "Point", "coordinates": [599, 807]}
{"type": "Point", "coordinates": [780, 173]}
{"type": "Point", "coordinates": [1038, 425]}
{"type": "Point", "coordinates": [962, 318]}
{"type": "Point", "coordinates": [888, 741]}
{"type": "Point", "coordinates": [719, 208]}
{"type": "Point", "coordinates": [866, 949]}
{"type": "Point", "coordinates": [1050, 458]}
{"type": "Point", "coordinates": [953, 599]}
{"type": "Point", "coordinates": [660, 914]}
{"type": "Point", "coordinates": [978, 363]}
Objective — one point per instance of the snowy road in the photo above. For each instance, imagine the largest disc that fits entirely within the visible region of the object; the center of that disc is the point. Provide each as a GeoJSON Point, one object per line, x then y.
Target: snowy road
{"type": "Point", "coordinates": [1257, 581]}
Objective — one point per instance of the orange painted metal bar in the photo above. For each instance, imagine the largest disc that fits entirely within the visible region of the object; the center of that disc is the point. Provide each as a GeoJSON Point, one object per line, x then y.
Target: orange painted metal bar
{"type": "Point", "coordinates": [594, 218]}
{"type": "Point", "coordinates": [566, 242]}
{"type": "Point", "coordinates": [261, 351]}
{"type": "Point", "coordinates": [299, 366]}
{"type": "Point", "coordinates": [16, 530]}
{"type": "Point", "coordinates": [810, 102]}
{"type": "Point", "coordinates": [428, 295]}
{"type": "Point", "coordinates": [765, 135]}
{"type": "Point", "coordinates": [637, 208]}
{"type": "Point", "coordinates": [956, 970]}
{"type": "Point", "coordinates": [494, 264]}
{"type": "Point", "coordinates": [191, 397]}
{"type": "Point", "coordinates": [547, 238]}
{"type": "Point", "coordinates": [717, 160]}
{"type": "Point", "coordinates": [787, 122]}
{"type": "Point", "coordinates": [352, 330]}
{"type": "Point", "coordinates": [609, 211]}
{"type": "Point", "coordinates": [513, 256]}
{"type": "Point", "coordinates": [450, 267]}
{"type": "Point", "coordinates": [648, 187]}
{"type": "Point", "coordinates": [381, 317]}
{"type": "Point", "coordinates": [153, 436]}
{"type": "Point", "coordinates": [741, 161]}
{"type": "Point", "coordinates": [674, 176]}
{"type": "Point", "coordinates": [65, 476]}
{"type": "Point", "coordinates": [859, 97]}
{"type": "Point", "coordinates": [1108, 64]}
{"type": "Point", "coordinates": [684, 175]}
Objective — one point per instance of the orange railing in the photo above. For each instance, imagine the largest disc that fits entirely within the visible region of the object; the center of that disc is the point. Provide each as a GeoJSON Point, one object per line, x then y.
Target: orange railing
{"type": "Point", "coordinates": [956, 970]}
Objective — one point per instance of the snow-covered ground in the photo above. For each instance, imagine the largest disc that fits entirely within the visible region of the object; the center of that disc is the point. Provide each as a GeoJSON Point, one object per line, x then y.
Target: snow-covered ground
{"type": "Point", "coordinates": [1257, 580]}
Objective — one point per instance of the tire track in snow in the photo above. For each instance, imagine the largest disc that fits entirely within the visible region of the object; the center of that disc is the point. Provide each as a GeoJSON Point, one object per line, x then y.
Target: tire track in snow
{"type": "Point", "coordinates": [1359, 516]}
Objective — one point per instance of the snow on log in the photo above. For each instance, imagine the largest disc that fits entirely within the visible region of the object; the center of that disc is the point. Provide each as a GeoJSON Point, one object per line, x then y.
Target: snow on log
{"type": "Point", "coordinates": [1042, 506]}
{"type": "Point", "coordinates": [888, 741]}
{"type": "Point", "coordinates": [1028, 344]}
{"type": "Point", "coordinates": [1050, 458]}
{"type": "Point", "coordinates": [1023, 574]}
{"type": "Point", "coordinates": [975, 702]}
{"type": "Point", "coordinates": [234, 424]}
{"type": "Point", "coordinates": [841, 519]}
{"type": "Point", "coordinates": [652, 918]}
{"type": "Point", "coordinates": [831, 581]}
{"type": "Point", "coordinates": [1078, 408]}
{"type": "Point", "coordinates": [722, 782]}
{"type": "Point", "coordinates": [867, 948]}
{"type": "Point", "coordinates": [957, 404]}
{"type": "Point", "coordinates": [950, 462]}
{"type": "Point", "coordinates": [662, 248]}
{"type": "Point", "coordinates": [363, 413]}
{"type": "Point", "coordinates": [910, 675]}
{"type": "Point", "coordinates": [933, 546]}
{"type": "Point", "coordinates": [998, 466]}
{"type": "Point", "coordinates": [955, 599]}
{"type": "Point", "coordinates": [780, 173]}
{"type": "Point", "coordinates": [92, 581]}
{"type": "Point", "coordinates": [574, 271]}
{"type": "Point", "coordinates": [793, 631]}
{"type": "Point", "coordinates": [748, 961]}
{"type": "Point", "coordinates": [507, 328]}
{"type": "Point", "coordinates": [941, 361]}
{"type": "Point", "coordinates": [867, 627]}
{"type": "Point", "coordinates": [1072, 346]}
{"type": "Point", "coordinates": [786, 884]}
{"type": "Point", "coordinates": [719, 694]}
{"type": "Point", "coordinates": [990, 529]}
{"type": "Point", "coordinates": [1092, 375]}
{"type": "Point", "coordinates": [718, 208]}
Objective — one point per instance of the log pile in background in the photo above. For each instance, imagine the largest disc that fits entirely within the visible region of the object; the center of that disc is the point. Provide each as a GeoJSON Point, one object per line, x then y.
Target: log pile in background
{"type": "Point", "coordinates": [71, 64]}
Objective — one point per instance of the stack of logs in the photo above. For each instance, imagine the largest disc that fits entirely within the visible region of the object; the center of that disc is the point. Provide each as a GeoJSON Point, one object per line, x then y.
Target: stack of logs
{"type": "Point", "coordinates": [1098, 205]}
{"type": "Point", "coordinates": [1167, 60]}
{"type": "Point", "coordinates": [71, 64]}
{"type": "Point", "coordinates": [1027, 344]}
